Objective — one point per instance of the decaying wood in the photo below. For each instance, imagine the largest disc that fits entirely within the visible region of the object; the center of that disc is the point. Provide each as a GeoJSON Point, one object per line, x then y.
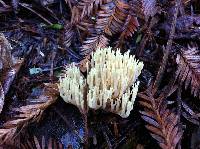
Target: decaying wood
{"type": "Point", "coordinates": [6, 60]}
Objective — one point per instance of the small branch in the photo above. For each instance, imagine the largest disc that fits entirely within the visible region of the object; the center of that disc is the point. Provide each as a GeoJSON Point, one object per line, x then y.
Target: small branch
{"type": "Point", "coordinates": [85, 111]}
{"type": "Point", "coordinates": [167, 50]}
{"type": "Point", "coordinates": [146, 36]}
{"type": "Point", "coordinates": [52, 64]}
{"type": "Point", "coordinates": [39, 15]}
{"type": "Point", "coordinates": [179, 112]}
{"type": "Point", "coordinates": [179, 102]}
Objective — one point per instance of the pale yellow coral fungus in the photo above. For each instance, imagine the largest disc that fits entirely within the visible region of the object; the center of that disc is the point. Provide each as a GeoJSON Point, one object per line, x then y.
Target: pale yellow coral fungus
{"type": "Point", "coordinates": [111, 82]}
{"type": "Point", "coordinates": [71, 86]}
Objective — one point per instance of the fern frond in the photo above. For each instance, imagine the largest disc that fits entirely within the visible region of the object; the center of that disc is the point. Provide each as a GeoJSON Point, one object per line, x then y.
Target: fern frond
{"type": "Point", "coordinates": [103, 16]}
{"type": "Point", "coordinates": [69, 34]}
{"type": "Point", "coordinates": [129, 27]}
{"type": "Point", "coordinates": [111, 18]}
{"type": "Point", "coordinates": [118, 17]}
{"type": "Point", "coordinates": [162, 123]}
{"type": "Point", "coordinates": [87, 25]}
{"type": "Point", "coordinates": [92, 43]}
{"type": "Point", "coordinates": [85, 8]}
{"type": "Point", "coordinates": [188, 72]}
{"type": "Point", "coordinates": [144, 8]}
{"type": "Point", "coordinates": [28, 114]}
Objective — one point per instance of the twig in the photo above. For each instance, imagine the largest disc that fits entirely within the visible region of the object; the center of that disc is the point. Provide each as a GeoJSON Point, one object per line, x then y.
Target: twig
{"type": "Point", "coordinates": [4, 4]}
{"type": "Point", "coordinates": [167, 50]}
{"type": "Point", "coordinates": [39, 15]}
{"type": "Point", "coordinates": [146, 37]}
{"type": "Point", "coordinates": [179, 112]}
{"type": "Point", "coordinates": [85, 116]}
{"type": "Point", "coordinates": [52, 64]}
{"type": "Point", "coordinates": [179, 101]}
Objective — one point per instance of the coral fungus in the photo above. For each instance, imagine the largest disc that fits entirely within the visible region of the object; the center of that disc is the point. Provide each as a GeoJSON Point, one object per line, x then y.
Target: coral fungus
{"type": "Point", "coordinates": [112, 82]}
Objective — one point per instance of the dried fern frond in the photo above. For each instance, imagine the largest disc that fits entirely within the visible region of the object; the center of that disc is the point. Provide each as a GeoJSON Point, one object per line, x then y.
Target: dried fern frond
{"type": "Point", "coordinates": [28, 114]}
{"type": "Point", "coordinates": [189, 114]}
{"type": "Point", "coordinates": [188, 72]}
{"type": "Point", "coordinates": [92, 43]}
{"type": "Point", "coordinates": [99, 21]}
{"type": "Point", "coordinates": [111, 18]}
{"type": "Point", "coordinates": [144, 8]}
{"type": "Point", "coordinates": [85, 8]}
{"type": "Point", "coordinates": [97, 39]}
{"type": "Point", "coordinates": [118, 17]}
{"type": "Point", "coordinates": [103, 16]}
{"type": "Point", "coordinates": [161, 122]}
{"type": "Point", "coordinates": [69, 34]}
{"type": "Point", "coordinates": [86, 25]}
{"type": "Point", "coordinates": [130, 26]}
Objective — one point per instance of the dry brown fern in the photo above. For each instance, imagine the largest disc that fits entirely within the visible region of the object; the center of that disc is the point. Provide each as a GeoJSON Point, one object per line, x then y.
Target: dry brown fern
{"type": "Point", "coordinates": [162, 123]}
{"type": "Point", "coordinates": [96, 19]}
{"type": "Point", "coordinates": [189, 114]}
{"type": "Point", "coordinates": [27, 114]}
{"type": "Point", "coordinates": [85, 8]}
{"type": "Point", "coordinates": [97, 37]}
{"type": "Point", "coordinates": [118, 18]}
{"type": "Point", "coordinates": [92, 43]}
{"type": "Point", "coordinates": [129, 27]}
{"type": "Point", "coordinates": [144, 8]}
{"type": "Point", "coordinates": [112, 17]}
{"type": "Point", "coordinates": [103, 16]}
{"type": "Point", "coordinates": [188, 72]}
{"type": "Point", "coordinates": [69, 34]}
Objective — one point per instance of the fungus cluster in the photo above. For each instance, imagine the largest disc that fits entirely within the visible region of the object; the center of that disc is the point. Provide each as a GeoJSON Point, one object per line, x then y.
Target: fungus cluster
{"type": "Point", "coordinates": [111, 82]}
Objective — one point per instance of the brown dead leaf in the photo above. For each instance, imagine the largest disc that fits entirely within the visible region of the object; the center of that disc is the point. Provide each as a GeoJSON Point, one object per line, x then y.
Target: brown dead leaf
{"type": "Point", "coordinates": [9, 67]}
{"type": "Point", "coordinates": [6, 79]}
{"type": "Point", "coordinates": [6, 59]}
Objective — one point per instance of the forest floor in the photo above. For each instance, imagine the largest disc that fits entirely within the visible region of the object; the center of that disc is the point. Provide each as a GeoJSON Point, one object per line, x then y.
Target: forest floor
{"type": "Point", "coordinates": [38, 39]}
